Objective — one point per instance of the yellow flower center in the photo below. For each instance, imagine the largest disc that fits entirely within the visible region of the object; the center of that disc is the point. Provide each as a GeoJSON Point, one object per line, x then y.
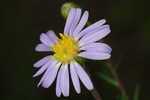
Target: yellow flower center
{"type": "Point", "coordinates": [65, 49]}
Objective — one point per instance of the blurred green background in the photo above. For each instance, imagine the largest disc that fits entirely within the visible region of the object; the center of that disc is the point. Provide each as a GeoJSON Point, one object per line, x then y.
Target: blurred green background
{"type": "Point", "coordinates": [24, 20]}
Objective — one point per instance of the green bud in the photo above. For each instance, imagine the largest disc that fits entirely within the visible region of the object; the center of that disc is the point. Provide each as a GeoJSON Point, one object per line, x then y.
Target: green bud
{"type": "Point", "coordinates": [65, 8]}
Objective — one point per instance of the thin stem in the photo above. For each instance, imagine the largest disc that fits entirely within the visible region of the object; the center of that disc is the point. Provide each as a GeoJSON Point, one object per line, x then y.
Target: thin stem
{"type": "Point", "coordinates": [116, 77]}
{"type": "Point", "coordinates": [95, 94]}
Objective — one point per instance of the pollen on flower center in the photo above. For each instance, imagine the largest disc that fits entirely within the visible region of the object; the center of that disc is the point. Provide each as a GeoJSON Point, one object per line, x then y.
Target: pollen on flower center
{"type": "Point", "coordinates": [65, 49]}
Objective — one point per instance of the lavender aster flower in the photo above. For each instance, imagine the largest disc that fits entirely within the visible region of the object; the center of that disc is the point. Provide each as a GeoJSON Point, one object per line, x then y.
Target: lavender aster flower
{"type": "Point", "coordinates": [75, 42]}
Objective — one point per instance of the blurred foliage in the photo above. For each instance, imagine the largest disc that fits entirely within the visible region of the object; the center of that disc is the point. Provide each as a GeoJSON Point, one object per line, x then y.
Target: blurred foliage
{"type": "Point", "coordinates": [145, 34]}
{"type": "Point", "coordinates": [136, 93]}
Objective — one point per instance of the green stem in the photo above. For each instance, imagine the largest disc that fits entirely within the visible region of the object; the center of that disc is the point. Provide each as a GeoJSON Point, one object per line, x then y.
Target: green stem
{"type": "Point", "coordinates": [95, 94]}
{"type": "Point", "coordinates": [116, 77]}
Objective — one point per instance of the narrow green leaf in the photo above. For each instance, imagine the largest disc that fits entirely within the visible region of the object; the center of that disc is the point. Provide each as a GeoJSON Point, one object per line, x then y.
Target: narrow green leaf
{"type": "Point", "coordinates": [136, 93]}
{"type": "Point", "coordinates": [108, 79]}
{"type": "Point", "coordinates": [122, 96]}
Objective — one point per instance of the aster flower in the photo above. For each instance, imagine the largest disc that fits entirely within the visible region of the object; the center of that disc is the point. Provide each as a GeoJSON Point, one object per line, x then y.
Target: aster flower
{"type": "Point", "coordinates": [75, 42]}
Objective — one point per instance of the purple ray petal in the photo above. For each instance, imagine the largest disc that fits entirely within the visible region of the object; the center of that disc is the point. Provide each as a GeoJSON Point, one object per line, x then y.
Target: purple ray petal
{"type": "Point", "coordinates": [91, 28]}
{"type": "Point", "coordinates": [69, 21]}
{"type": "Point", "coordinates": [52, 36]}
{"type": "Point", "coordinates": [89, 38]}
{"type": "Point", "coordinates": [65, 80]}
{"type": "Point", "coordinates": [42, 62]}
{"type": "Point", "coordinates": [83, 76]}
{"type": "Point", "coordinates": [42, 69]}
{"type": "Point", "coordinates": [94, 55]}
{"type": "Point", "coordinates": [42, 48]}
{"type": "Point", "coordinates": [75, 21]}
{"type": "Point", "coordinates": [97, 47]}
{"type": "Point", "coordinates": [94, 31]}
{"type": "Point", "coordinates": [47, 74]}
{"type": "Point", "coordinates": [45, 40]}
{"type": "Point", "coordinates": [51, 76]}
{"type": "Point", "coordinates": [58, 88]}
{"type": "Point", "coordinates": [75, 78]}
{"type": "Point", "coordinates": [81, 24]}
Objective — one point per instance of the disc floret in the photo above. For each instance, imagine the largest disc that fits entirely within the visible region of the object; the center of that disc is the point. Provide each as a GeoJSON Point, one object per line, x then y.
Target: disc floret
{"type": "Point", "coordinates": [65, 49]}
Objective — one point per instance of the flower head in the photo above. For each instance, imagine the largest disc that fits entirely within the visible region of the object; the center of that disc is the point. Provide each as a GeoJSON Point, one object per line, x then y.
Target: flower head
{"type": "Point", "coordinates": [73, 43]}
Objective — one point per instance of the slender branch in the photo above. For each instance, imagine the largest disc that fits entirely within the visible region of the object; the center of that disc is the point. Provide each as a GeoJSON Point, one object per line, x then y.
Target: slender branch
{"type": "Point", "coordinates": [116, 77]}
{"type": "Point", "coordinates": [95, 94]}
